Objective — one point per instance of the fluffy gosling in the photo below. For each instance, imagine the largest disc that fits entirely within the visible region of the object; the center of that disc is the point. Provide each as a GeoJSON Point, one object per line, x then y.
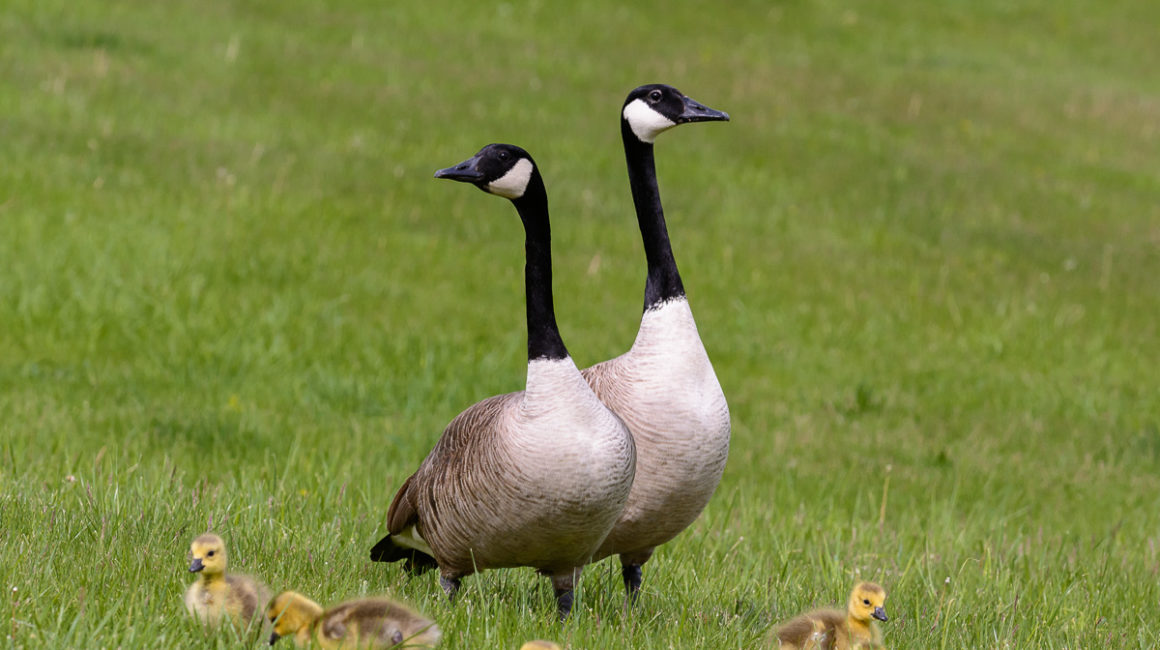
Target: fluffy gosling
{"type": "Point", "coordinates": [832, 629]}
{"type": "Point", "coordinates": [369, 623]}
{"type": "Point", "coordinates": [540, 644]}
{"type": "Point", "coordinates": [215, 594]}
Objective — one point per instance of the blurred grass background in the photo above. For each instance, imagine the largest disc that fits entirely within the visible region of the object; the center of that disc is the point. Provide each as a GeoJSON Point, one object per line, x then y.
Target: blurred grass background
{"type": "Point", "coordinates": [923, 257]}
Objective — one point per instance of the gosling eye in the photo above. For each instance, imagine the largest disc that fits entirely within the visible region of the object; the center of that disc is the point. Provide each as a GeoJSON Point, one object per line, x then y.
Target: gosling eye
{"type": "Point", "coordinates": [865, 601]}
{"type": "Point", "coordinates": [655, 96]}
{"type": "Point", "coordinates": [210, 554]}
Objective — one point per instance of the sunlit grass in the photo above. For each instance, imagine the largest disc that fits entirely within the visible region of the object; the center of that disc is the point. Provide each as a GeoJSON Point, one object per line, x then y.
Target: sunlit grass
{"type": "Point", "coordinates": [922, 257]}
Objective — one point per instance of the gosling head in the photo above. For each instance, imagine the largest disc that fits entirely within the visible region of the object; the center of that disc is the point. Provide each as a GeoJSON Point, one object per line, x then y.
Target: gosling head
{"type": "Point", "coordinates": [209, 555]}
{"type": "Point", "coordinates": [291, 613]}
{"type": "Point", "coordinates": [501, 169]}
{"type": "Point", "coordinates": [655, 108]}
{"type": "Point", "coordinates": [540, 644]}
{"type": "Point", "coordinates": [866, 602]}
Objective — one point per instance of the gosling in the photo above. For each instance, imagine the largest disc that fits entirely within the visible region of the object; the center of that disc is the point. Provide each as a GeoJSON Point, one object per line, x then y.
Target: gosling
{"type": "Point", "coordinates": [366, 623]}
{"type": "Point", "coordinates": [540, 644]}
{"type": "Point", "coordinates": [832, 629]}
{"type": "Point", "coordinates": [216, 595]}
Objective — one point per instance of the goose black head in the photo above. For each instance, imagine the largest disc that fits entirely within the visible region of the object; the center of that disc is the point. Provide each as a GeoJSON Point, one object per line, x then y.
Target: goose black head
{"type": "Point", "coordinates": [501, 169]}
{"type": "Point", "coordinates": [655, 108]}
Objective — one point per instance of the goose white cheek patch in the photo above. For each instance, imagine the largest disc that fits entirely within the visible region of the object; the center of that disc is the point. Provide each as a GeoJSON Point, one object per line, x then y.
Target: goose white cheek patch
{"type": "Point", "coordinates": [646, 123]}
{"type": "Point", "coordinates": [513, 184]}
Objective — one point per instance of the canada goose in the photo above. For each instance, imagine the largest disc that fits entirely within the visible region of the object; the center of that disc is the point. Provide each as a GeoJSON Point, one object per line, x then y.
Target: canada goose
{"type": "Point", "coordinates": [216, 594]}
{"type": "Point", "coordinates": [362, 623]}
{"type": "Point", "coordinates": [832, 629]}
{"type": "Point", "coordinates": [533, 478]}
{"type": "Point", "coordinates": [539, 644]}
{"type": "Point", "coordinates": [664, 387]}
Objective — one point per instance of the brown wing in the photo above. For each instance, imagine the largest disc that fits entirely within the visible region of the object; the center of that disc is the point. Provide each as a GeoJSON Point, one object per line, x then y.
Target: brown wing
{"type": "Point", "coordinates": [464, 452]}
{"type": "Point", "coordinates": [402, 512]}
{"type": "Point", "coordinates": [471, 431]}
{"type": "Point", "coordinates": [464, 437]}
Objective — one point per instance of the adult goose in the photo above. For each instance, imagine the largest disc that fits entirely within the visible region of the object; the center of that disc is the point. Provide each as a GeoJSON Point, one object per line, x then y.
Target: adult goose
{"type": "Point", "coordinates": [534, 478]}
{"type": "Point", "coordinates": [664, 387]}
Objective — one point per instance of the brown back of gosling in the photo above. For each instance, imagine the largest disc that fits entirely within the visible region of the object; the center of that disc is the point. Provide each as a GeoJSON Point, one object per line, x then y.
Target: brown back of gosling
{"type": "Point", "coordinates": [819, 629]}
{"type": "Point", "coordinates": [369, 621]}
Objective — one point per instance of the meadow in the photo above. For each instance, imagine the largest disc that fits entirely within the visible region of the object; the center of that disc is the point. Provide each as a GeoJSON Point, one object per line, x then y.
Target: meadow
{"type": "Point", "coordinates": [923, 257]}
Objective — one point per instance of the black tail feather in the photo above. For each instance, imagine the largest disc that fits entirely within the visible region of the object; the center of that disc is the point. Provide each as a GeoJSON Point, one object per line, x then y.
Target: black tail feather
{"type": "Point", "coordinates": [413, 561]}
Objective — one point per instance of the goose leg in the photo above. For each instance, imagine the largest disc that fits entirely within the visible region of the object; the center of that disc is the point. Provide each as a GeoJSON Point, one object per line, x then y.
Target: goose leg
{"type": "Point", "coordinates": [563, 584]}
{"type": "Point", "coordinates": [564, 599]}
{"type": "Point", "coordinates": [632, 579]}
{"type": "Point", "coordinates": [450, 587]}
{"type": "Point", "coordinates": [631, 568]}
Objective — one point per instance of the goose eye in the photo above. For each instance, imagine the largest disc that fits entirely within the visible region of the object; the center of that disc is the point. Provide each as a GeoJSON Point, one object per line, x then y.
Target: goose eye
{"type": "Point", "coordinates": [655, 95]}
{"type": "Point", "coordinates": [865, 601]}
{"type": "Point", "coordinates": [210, 554]}
{"type": "Point", "coordinates": [503, 155]}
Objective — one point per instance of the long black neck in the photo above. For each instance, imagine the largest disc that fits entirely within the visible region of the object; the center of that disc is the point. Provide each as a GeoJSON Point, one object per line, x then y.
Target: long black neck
{"type": "Point", "coordinates": [544, 340]}
{"type": "Point", "coordinates": [664, 281]}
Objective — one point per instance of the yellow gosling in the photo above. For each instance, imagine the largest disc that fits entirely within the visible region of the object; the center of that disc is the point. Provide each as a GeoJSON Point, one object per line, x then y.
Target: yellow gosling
{"type": "Point", "coordinates": [540, 644]}
{"type": "Point", "coordinates": [832, 629]}
{"type": "Point", "coordinates": [216, 595]}
{"type": "Point", "coordinates": [364, 623]}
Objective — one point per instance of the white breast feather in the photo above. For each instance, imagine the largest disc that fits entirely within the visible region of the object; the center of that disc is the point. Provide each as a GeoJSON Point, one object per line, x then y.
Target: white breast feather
{"type": "Point", "coordinates": [669, 332]}
{"type": "Point", "coordinates": [668, 393]}
{"type": "Point", "coordinates": [574, 431]}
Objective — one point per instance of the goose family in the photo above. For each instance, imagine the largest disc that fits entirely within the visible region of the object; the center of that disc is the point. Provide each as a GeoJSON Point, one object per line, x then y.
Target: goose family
{"type": "Point", "coordinates": [367, 623]}
{"type": "Point", "coordinates": [664, 387]}
{"type": "Point", "coordinates": [217, 596]}
{"type": "Point", "coordinates": [833, 629]}
{"type": "Point", "coordinates": [532, 478]}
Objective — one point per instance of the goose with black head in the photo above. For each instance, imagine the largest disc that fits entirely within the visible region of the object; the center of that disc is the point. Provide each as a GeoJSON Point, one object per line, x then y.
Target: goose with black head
{"type": "Point", "coordinates": [532, 478]}
{"type": "Point", "coordinates": [664, 387]}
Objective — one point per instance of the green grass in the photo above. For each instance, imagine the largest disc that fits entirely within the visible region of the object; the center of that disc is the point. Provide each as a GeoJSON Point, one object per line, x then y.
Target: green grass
{"type": "Point", "coordinates": [923, 257]}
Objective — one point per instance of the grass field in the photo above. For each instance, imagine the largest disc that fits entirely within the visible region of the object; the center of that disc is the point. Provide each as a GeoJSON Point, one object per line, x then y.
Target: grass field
{"type": "Point", "coordinates": [923, 257]}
